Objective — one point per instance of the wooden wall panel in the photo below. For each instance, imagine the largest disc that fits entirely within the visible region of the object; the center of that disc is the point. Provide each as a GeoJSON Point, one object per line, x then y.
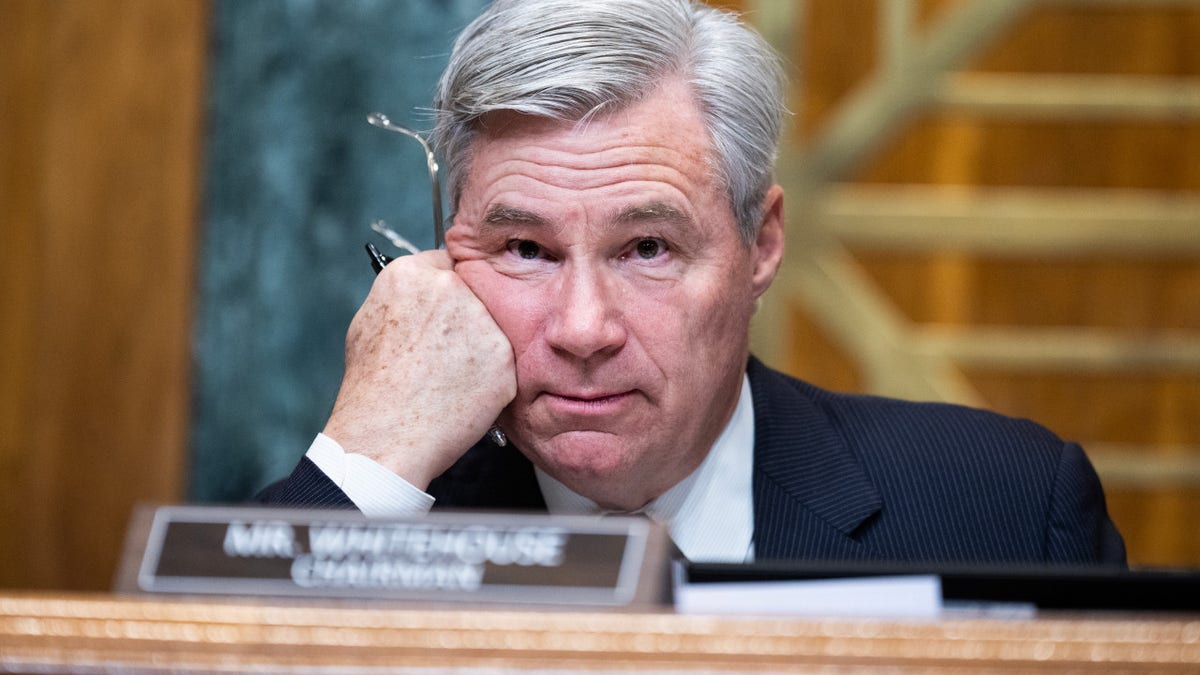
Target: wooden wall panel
{"type": "Point", "coordinates": [818, 356]}
{"type": "Point", "coordinates": [1101, 38]}
{"type": "Point", "coordinates": [1140, 293]}
{"type": "Point", "coordinates": [1153, 409]}
{"type": "Point", "coordinates": [1150, 517]}
{"type": "Point", "coordinates": [838, 51]}
{"type": "Point", "coordinates": [101, 123]}
{"type": "Point", "coordinates": [952, 148]}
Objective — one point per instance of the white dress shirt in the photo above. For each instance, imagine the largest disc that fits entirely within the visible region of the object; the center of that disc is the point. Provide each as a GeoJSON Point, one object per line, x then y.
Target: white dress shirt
{"type": "Point", "coordinates": [710, 513]}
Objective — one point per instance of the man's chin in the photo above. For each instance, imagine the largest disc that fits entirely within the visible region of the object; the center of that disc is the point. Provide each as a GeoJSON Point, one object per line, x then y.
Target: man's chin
{"type": "Point", "coordinates": [575, 456]}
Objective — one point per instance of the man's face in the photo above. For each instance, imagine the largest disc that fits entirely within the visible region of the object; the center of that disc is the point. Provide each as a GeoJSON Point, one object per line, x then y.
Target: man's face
{"type": "Point", "coordinates": [608, 253]}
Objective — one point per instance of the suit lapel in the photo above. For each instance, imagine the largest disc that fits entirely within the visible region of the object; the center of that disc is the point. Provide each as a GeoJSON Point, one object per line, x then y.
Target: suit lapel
{"type": "Point", "coordinates": [811, 494]}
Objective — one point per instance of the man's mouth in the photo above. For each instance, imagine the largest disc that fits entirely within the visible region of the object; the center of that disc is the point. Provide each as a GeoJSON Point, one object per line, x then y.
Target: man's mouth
{"type": "Point", "coordinates": [588, 403]}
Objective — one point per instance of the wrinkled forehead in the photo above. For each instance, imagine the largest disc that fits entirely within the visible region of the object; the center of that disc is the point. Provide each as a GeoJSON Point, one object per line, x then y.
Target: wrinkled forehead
{"type": "Point", "coordinates": [671, 112]}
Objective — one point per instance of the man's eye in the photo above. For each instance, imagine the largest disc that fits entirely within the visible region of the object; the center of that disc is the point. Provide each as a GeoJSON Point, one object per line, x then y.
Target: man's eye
{"type": "Point", "coordinates": [529, 250]}
{"type": "Point", "coordinates": [648, 249]}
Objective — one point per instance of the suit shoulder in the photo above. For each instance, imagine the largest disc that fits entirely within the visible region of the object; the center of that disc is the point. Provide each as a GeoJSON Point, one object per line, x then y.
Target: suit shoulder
{"type": "Point", "coordinates": [955, 482]}
{"type": "Point", "coordinates": [896, 426]}
{"type": "Point", "coordinates": [910, 420]}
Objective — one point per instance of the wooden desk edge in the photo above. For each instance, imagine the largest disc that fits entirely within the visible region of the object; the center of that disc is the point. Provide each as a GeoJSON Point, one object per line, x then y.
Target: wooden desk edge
{"type": "Point", "coordinates": [64, 632]}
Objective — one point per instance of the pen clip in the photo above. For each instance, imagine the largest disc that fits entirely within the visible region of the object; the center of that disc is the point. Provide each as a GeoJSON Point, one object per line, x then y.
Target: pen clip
{"type": "Point", "coordinates": [378, 260]}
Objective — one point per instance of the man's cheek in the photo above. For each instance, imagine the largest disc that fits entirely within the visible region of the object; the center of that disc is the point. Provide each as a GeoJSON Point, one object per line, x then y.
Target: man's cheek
{"type": "Point", "coordinates": [483, 281]}
{"type": "Point", "coordinates": [515, 309]}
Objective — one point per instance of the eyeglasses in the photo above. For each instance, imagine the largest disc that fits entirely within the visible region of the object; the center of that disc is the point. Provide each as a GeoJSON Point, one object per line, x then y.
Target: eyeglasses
{"type": "Point", "coordinates": [380, 120]}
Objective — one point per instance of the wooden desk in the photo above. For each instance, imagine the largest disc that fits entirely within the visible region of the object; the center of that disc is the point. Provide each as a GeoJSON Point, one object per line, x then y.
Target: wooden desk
{"type": "Point", "coordinates": [98, 633]}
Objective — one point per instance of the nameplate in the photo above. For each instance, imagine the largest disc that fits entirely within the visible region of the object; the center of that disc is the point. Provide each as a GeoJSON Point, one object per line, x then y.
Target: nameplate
{"type": "Point", "coordinates": [475, 557]}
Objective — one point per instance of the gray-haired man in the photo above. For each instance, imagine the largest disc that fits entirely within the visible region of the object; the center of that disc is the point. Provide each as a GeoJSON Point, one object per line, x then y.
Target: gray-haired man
{"type": "Point", "coordinates": [615, 221]}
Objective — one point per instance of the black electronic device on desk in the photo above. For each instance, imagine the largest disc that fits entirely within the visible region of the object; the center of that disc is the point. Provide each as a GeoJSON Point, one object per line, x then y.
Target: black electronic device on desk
{"type": "Point", "coordinates": [1037, 587]}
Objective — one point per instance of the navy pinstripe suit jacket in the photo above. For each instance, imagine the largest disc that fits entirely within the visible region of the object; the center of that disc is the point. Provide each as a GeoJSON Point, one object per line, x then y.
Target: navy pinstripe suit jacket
{"type": "Point", "coordinates": [861, 478]}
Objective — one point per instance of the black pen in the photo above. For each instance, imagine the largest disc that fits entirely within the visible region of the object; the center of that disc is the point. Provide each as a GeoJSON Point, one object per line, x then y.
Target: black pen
{"type": "Point", "coordinates": [378, 262]}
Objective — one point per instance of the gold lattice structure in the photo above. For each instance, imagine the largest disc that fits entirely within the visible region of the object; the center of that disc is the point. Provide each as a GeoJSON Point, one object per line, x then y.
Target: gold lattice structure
{"type": "Point", "coordinates": [921, 70]}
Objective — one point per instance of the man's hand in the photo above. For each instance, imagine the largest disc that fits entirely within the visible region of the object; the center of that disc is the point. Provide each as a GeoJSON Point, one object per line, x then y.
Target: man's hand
{"type": "Point", "coordinates": [427, 371]}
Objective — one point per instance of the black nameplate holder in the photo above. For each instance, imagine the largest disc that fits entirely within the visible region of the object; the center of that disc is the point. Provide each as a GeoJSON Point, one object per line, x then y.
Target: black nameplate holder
{"type": "Point", "coordinates": [442, 557]}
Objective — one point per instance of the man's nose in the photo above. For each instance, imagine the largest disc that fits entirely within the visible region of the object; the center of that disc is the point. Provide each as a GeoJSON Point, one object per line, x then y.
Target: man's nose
{"type": "Point", "coordinates": [585, 314]}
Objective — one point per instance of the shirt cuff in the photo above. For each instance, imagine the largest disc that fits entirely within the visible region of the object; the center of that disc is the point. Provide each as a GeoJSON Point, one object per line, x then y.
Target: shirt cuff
{"type": "Point", "coordinates": [377, 492]}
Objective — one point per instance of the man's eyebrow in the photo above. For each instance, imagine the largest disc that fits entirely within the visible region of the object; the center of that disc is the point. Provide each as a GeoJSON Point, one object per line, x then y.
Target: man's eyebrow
{"type": "Point", "coordinates": [654, 211]}
{"type": "Point", "coordinates": [501, 214]}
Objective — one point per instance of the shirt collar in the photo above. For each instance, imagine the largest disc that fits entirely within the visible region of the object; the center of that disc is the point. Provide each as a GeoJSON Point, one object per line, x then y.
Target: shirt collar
{"type": "Point", "coordinates": [710, 513]}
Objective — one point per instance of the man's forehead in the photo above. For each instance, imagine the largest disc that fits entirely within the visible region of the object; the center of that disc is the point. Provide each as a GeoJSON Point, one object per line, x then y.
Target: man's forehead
{"type": "Point", "coordinates": [648, 161]}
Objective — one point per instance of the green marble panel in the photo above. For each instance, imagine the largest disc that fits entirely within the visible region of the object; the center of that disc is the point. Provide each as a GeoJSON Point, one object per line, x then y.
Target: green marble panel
{"type": "Point", "coordinates": [294, 178]}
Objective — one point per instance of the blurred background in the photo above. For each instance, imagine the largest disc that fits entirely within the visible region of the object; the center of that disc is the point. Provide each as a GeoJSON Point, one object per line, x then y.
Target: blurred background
{"type": "Point", "coordinates": [995, 202]}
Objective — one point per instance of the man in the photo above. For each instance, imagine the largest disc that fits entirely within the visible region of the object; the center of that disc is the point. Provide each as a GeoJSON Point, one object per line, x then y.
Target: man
{"type": "Point", "coordinates": [615, 222]}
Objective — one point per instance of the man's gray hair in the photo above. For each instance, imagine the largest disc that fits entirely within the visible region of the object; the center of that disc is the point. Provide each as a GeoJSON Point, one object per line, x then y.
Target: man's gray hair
{"type": "Point", "coordinates": [573, 59]}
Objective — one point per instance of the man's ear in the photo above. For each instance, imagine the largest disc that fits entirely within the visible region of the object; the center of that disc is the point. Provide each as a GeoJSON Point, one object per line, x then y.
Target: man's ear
{"type": "Point", "coordinates": [767, 249]}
